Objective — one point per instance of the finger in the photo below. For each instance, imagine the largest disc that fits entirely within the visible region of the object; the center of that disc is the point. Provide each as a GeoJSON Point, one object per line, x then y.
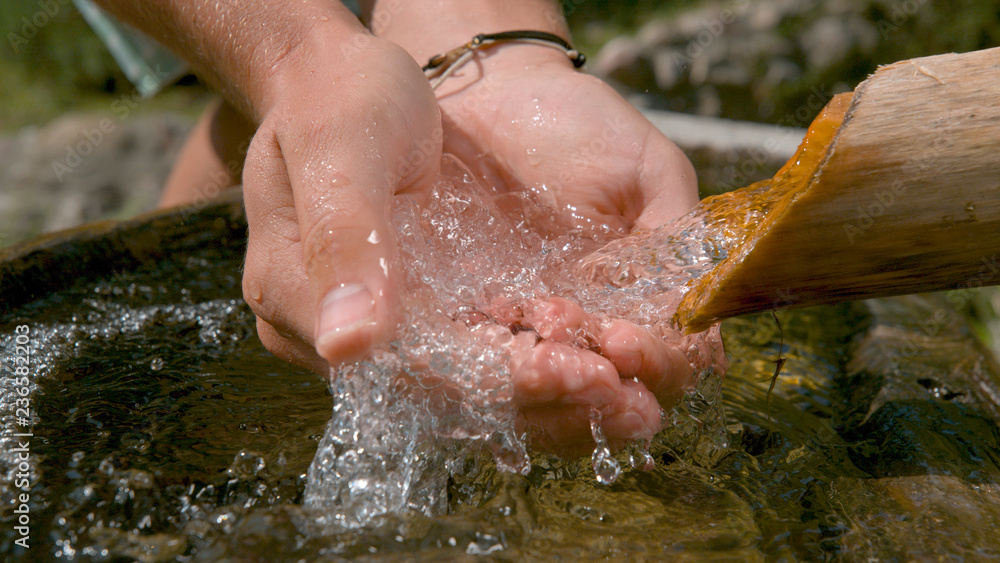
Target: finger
{"type": "Point", "coordinates": [348, 250]}
{"type": "Point", "coordinates": [634, 416]}
{"type": "Point", "coordinates": [553, 318]}
{"type": "Point", "coordinates": [274, 281]}
{"type": "Point", "coordinates": [565, 430]}
{"type": "Point", "coordinates": [348, 253]}
{"type": "Point", "coordinates": [292, 350]}
{"type": "Point", "coordinates": [662, 368]}
{"type": "Point", "coordinates": [559, 374]}
{"type": "Point", "coordinates": [559, 320]}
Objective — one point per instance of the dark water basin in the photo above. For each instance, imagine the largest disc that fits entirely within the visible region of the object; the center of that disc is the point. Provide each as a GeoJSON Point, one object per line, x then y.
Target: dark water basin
{"type": "Point", "coordinates": [162, 430]}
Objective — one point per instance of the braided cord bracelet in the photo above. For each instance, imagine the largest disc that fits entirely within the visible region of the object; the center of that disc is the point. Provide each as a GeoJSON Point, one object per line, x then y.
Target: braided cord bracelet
{"type": "Point", "coordinates": [440, 67]}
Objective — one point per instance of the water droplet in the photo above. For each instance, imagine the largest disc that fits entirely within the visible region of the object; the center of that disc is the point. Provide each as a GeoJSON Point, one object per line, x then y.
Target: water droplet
{"type": "Point", "coordinates": [641, 458]}
{"type": "Point", "coordinates": [246, 465]}
{"type": "Point", "coordinates": [606, 468]}
{"type": "Point", "coordinates": [254, 292]}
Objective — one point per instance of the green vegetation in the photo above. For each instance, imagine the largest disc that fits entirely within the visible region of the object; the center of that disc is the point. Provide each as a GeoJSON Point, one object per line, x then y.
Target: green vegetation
{"type": "Point", "coordinates": [594, 23]}
{"type": "Point", "coordinates": [906, 29]}
{"type": "Point", "coordinates": [51, 63]}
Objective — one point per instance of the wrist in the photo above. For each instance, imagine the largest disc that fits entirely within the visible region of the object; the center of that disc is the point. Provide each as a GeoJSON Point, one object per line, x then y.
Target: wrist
{"type": "Point", "coordinates": [356, 99]}
{"type": "Point", "coordinates": [426, 28]}
{"type": "Point", "coordinates": [327, 53]}
{"type": "Point", "coordinates": [236, 45]}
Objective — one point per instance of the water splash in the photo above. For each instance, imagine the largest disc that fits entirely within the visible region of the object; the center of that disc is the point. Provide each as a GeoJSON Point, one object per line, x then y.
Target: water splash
{"type": "Point", "coordinates": [402, 418]}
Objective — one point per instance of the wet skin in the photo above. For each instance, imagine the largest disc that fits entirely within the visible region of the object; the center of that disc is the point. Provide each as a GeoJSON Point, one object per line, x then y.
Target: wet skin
{"type": "Point", "coordinates": [337, 138]}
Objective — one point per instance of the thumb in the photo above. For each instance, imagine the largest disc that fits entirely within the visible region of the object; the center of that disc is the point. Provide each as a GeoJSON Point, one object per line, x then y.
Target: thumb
{"type": "Point", "coordinates": [667, 181]}
{"type": "Point", "coordinates": [348, 253]}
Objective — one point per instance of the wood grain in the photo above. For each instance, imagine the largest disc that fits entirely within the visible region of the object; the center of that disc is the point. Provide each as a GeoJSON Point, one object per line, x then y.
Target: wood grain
{"type": "Point", "coordinates": [906, 199]}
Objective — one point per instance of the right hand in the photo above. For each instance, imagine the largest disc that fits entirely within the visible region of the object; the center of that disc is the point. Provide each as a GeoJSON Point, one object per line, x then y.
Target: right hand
{"type": "Point", "coordinates": [335, 143]}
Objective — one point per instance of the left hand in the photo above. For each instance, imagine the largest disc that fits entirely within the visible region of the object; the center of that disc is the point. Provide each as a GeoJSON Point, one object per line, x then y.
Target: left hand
{"type": "Point", "coordinates": [529, 121]}
{"type": "Point", "coordinates": [599, 165]}
{"type": "Point", "coordinates": [523, 118]}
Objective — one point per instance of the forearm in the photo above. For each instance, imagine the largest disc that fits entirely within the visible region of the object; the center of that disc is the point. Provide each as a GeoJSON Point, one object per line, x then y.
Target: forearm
{"type": "Point", "coordinates": [429, 27]}
{"type": "Point", "coordinates": [238, 46]}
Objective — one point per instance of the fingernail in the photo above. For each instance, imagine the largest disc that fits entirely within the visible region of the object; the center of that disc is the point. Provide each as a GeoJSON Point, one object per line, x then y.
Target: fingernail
{"type": "Point", "coordinates": [343, 310]}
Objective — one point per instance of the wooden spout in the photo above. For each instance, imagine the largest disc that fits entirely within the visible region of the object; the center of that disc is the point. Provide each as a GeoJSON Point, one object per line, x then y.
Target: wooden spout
{"type": "Point", "coordinates": [894, 190]}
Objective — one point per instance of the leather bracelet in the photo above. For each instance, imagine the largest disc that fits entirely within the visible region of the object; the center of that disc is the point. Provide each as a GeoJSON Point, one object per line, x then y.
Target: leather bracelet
{"type": "Point", "coordinates": [440, 67]}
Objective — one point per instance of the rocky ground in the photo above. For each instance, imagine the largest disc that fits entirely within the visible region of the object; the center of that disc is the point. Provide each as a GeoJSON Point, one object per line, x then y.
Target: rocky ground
{"type": "Point", "coordinates": [83, 168]}
{"type": "Point", "coordinates": [772, 60]}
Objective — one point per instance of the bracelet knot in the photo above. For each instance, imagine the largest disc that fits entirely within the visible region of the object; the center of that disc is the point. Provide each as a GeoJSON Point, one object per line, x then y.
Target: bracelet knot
{"type": "Point", "coordinates": [440, 67]}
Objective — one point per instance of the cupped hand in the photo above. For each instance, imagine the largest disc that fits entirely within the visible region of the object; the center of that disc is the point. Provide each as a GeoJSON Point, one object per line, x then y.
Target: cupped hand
{"type": "Point", "coordinates": [575, 365]}
{"type": "Point", "coordinates": [336, 142]}
{"type": "Point", "coordinates": [526, 120]}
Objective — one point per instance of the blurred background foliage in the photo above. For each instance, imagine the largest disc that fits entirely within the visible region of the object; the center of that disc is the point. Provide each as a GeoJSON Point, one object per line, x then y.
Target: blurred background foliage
{"type": "Point", "coordinates": [61, 66]}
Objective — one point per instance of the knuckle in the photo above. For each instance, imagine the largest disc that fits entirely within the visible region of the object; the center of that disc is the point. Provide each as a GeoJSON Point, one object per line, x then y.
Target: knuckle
{"type": "Point", "coordinates": [273, 291]}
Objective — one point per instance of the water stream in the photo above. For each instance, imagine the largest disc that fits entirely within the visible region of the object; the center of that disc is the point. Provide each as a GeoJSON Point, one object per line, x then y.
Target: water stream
{"type": "Point", "coordinates": [444, 385]}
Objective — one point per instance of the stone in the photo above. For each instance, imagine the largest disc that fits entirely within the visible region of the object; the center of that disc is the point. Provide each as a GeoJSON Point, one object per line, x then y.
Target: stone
{"type": "Point", "coordinates": [668, 68]}
{"type": "Point", "coordinates": [919, 518]}
{"type": "Point", "coordinates": [781, 70]}
{"type": "Point", "coordinates": [729, 74]}
{"type": "Point", "coordinates": [85, 167]}
{"type": "Point", "coordinates": [622, 59]}
{"type": "Point", "coordinates": [658, 33]}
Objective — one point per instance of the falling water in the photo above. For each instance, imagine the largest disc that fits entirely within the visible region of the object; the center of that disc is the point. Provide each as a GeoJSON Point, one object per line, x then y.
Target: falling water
{"type": "Point", "coordinates": [404, 416]}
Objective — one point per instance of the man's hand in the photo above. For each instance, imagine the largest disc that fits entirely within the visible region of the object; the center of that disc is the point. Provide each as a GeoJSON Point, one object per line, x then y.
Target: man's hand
{"type": "Point", "coordinates": [334, 146]}
{"type": "Point", "coordinates": [523, 118]}
{"type": "Point", "coordinates": [345, 120]}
